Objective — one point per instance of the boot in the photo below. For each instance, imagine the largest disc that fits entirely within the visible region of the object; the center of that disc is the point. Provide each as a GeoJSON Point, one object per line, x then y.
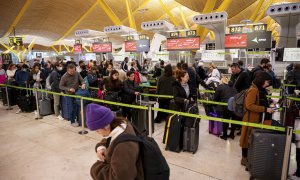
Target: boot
{"type": "Point", "coordinates": [244, 161]}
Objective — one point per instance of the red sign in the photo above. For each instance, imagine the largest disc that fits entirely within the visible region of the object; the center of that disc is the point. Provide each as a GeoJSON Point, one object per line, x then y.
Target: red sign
{"type": "Point", "coordinates": [102, 47]}
{"type": "Point", "coordinates": [78, 48]}
{"type": "Point", "coordinates": [236, 41]}
{"type": "Point", "coordinates": [183, 43]}
{"type": "Point", "coordinates": [130, 46]}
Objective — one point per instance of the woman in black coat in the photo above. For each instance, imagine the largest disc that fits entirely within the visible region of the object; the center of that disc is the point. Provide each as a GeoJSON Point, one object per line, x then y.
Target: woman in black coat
{"type": "Point", "coordinates": [181, 91]}
{"type": "Point", "coordinates": [130, 91]}
{"type": "Point", "coordinates": [223, 92]}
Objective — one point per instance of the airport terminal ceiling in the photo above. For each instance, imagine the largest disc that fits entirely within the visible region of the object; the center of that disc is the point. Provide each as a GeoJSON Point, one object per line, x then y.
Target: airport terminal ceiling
{"type": "Point", "coordinates": [48, 21]}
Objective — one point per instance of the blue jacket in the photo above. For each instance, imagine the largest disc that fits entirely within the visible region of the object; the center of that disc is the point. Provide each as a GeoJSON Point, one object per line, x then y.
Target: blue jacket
{"type": "Point", "coordinates": [21, 77]}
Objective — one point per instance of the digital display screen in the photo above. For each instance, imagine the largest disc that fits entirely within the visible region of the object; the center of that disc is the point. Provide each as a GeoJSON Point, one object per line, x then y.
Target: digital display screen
{"type": "Point", "coordinates": [130, 46]}
{"type": "Point", "coordinates": [143, 45]}
{"type": "Point", "coordinates": [78, 48]}
{"type": "Point", "coordinates": [102, 47]}
{"type": "Point", "coordinates": [236, 41]}
{"type": "Point", "coordinates": [260, 40]}
{"type": "Point", "coordinates": [179, 44]}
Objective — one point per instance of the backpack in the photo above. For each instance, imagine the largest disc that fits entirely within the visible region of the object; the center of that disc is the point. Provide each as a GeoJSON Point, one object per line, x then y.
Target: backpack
{"type": "Point", "coordinates": [236, 103]}
{"type": "Point", "coordinates": [155, 165]}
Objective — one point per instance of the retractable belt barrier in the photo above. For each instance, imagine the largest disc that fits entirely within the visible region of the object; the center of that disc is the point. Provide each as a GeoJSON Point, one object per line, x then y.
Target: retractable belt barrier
{"type": "Point", "coordinates": [166, 110]}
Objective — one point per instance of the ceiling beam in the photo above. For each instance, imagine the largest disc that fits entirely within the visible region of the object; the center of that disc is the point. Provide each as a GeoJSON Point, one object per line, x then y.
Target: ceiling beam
{"type": "Point", "coordinates": [76, 23]}
{"type": "Point", "coordinates": [9, 49]}
{"type": "Point", "coordinates": [256, 10]}
{"type": "Point", "coordinates": [18, 17]}
{"type": "Point", "coordinates": [183, 18]}
{"type": "Point", "coordinates": [130, 14]}
{"type": "Point", "coordinates": [136, 10]}
{"type": "Point", "coordinates": [172, 18]}
{"type": "Point", "coordinates": [112, 16]}
{"type": "Point", "coordinates": [262, 13]}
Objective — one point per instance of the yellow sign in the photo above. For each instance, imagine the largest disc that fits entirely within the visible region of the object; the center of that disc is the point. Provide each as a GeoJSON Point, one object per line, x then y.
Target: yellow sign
{"type": "Point", "coordinates": [259, 27]}
{"type": "Point", "coordinates": [236, 29]}
{"type": "Point", "coordinates": [191, 33]}
{"type": "Point", "coordinates": [174, 34]}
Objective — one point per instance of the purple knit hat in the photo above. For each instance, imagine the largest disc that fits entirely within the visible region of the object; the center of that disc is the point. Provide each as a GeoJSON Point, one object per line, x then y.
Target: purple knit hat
{"type": "Point", "coordinates": [97, 117]}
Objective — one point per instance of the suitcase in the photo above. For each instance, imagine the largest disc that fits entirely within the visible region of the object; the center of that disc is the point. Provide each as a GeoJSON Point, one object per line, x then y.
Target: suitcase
{"type": "Point", "coordinates": [45, 106]}
{"type": "Point", "coordinates": [26, 101]}
{"type": "Point", "coordinates": [64, 107]}
{"type": "Point", "coordinates": [265, 154]}
{"type": "Point", "coordinates": [140, 118]}
{"type": "Point", "coordinates": [174, 134]}
{"type": "Point", "coordinates": [215, 127]}
{"type": "Point", "coordinates": [191, 109]}
{"type": "Point", "coordinates": [191, 138]}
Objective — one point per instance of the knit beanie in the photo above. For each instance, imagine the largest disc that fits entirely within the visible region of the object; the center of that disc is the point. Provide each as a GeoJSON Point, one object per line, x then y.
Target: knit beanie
{"type": "Point", "coordinates": [97, 117]}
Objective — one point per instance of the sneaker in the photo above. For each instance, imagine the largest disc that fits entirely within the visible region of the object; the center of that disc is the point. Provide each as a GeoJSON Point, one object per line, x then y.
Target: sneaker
{"type": "Point", "coordinates": [60, 118]}
{"type": "Point", "coordinates": [19, 111]}
{"type": "Point", "coordinates": [75, 124]}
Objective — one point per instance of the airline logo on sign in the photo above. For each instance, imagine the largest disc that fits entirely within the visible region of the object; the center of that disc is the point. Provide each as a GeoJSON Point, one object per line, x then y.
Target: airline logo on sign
{"type": "Point", "coordinates": [78, 48]}
{"type": "Point", "coordinates": [102, 47]}
{"type": "Point", "coordinates": [183, 43]}
{"type": "Point", "coordinates": [236, 41]}
{"type": "Point", "coordinates": [260, 40]}
{"type": "Point", "coordinates": [130, 46]}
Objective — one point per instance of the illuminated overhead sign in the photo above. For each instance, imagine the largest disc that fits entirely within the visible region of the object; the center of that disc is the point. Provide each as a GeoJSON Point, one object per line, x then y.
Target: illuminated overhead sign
{"type": "Point", "coordinates": [181, 44]}
{"type": "Point", "coordinates": [236, 41]}
{"type": "Point", "coordinates": [78, 48]}
{"type": "Point", "coordinates": [102, 47]}
{"type": "Point", "coordinates": [130, 46]}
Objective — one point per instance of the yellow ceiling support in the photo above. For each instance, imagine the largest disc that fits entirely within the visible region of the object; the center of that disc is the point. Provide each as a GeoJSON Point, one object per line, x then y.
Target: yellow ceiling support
{"type": "Point", "coordinates": [86, 49]}
{"type": "Point", "coordinates": [183, 18]}
{"type": "Point", "coordinates": [140, 7]}
{"type": "Point", "coordinates": [172, 18]}
{"type": "Point", "coordinates": [113, 17]}
{"type": "Point", "coordinates": [76, 23]}
{"type": "Point", "coordinates": [72, 49]}
{"type": "Point", "coordinates": [130, 15]}
{"type": "Point", "coordinates": [224, 6]}
{"type": "Point", "coordinates": [54, 49]}
{"type": "Point", "coordinates": [212, 35]}
{"type": "Point", "coordinates": [256, 10]}
{"type": "Point", "coordinates": [59, 48]}
{"type": "Point", "coordinates": [91, 49]}
{"type": "Point", "coordinates": [209, 7]}
{"type": "Point", "coordinates": [8, 48]}
{"type": "Point", "coordinates": [262, 13]}
{"type": "Point", "coordinates": [32, 43]}
{"type": "Point", "coordinates": [18, 17]}
{"type": "Point", "coordinates": [66, 47]}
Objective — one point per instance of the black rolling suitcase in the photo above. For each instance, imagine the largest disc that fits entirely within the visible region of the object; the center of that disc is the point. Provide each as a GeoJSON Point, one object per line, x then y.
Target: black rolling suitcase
{"type": "Point", "coordinates": [26, 101]}
{"type": "Point", "coordinates": [191, 130]}
{"type": "Point", "coordinates": [265, 154]}
{"type": "Point", "coordinates": [140, 118]}
{"type": "Point", "coordinates": [174, 133]}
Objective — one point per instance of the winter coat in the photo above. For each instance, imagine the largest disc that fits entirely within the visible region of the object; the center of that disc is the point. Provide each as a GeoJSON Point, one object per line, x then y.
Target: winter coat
{"type": "Point", "coordinates": [121, 162]}
{"type": "Point", "coordinates": [179, 96]}
{"type": "Point", "coordinates": [252, 115]}
{"type": "Point", "coordinates": [32, 81]}
{"type": "Point", "coordinates": [21, 77]}
{"type": "Point", "coordinates": [164, 85]}
{"type": "Point", "coordinates": [214, 76]}
{"type": "Point", "coordinates": [192, 82]}
{"type": "Point", "coordinates": [92, 79]}
{"type": "Point", "coordinates": [222, 94]}
{"type": "Point", "coordinates": [124, 66]}
{"type": "Point", "coordinates": [240, 81]}
{"type": "Point", "coordinates": [54, 80]}
{"type": "Point", "coordinates": [129, 88]}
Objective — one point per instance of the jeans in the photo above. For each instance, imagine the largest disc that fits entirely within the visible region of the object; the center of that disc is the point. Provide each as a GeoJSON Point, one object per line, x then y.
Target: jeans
{"type": "Point", "coordinates": [56, 99]}
{"type": "Point", "coordinates": [72, 109]}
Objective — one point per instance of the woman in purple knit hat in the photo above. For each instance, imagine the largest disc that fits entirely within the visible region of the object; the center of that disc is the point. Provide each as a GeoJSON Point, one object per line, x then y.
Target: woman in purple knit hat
{"type": "Point", "coordinates": [120, 161]}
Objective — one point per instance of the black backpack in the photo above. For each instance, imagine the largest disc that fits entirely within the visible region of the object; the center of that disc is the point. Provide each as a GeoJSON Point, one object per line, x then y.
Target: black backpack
{"type": "Point", "coordinates": [155, 165]}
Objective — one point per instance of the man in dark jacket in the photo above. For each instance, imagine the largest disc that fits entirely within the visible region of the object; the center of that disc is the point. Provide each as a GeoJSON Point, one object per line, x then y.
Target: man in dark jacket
{"type": "Point", "coordinates": [192, 79]}
{"type": "Point", "coordinates": [260, 68]}
{"type": "Point", "coordinates": [54, 80]}
{"type": "Point", "coordinates": [130, 91]}
{"type": "Point", "coordinates": [240, 79]}
{"type": "Point", "coordinates": [124, 65]}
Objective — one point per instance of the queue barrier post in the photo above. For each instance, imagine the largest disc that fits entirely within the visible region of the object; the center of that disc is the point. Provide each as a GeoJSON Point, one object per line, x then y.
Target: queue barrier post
{"type": "Point", "coordinates": [38, 116]}
{"type": "Point", "coordinates": [7, 99]}
{"type": "Point", "coordinates": [286, 159]}
{"type": "Point", "coordinates": [83, 131]}
{"type": "Point", "coordinates": [150, 120]}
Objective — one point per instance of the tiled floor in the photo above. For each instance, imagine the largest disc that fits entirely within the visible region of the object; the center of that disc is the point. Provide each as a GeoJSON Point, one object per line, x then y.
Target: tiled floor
{"type": "Point", "coordinates": [52, 149]}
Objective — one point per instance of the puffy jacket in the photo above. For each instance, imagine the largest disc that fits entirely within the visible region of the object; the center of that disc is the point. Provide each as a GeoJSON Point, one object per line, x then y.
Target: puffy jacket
{"type": "Point", "coordinates": [222, 94]}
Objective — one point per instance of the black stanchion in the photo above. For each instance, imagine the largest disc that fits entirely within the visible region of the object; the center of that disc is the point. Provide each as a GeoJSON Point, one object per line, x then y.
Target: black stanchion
{"type": "Point", "coordinates": [83, 131]}
{"type": "Point", "coordinates": [7, 98]}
